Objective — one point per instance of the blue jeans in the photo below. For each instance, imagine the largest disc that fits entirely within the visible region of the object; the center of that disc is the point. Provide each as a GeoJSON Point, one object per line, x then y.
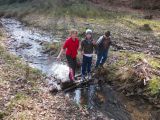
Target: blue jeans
{"type": "Point", "coordinates": [86, 65]}
{"type": "Point", "coordinates": [101, 57]}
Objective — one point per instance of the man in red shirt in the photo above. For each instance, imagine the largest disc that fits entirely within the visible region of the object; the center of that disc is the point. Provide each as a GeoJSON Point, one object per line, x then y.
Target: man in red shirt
{"type": "Point", "coordinates": [71, 46]}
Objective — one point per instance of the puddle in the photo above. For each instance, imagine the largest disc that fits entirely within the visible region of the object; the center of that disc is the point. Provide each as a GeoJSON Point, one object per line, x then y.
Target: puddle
{"type": "Point", "coordinates": [25, 43]}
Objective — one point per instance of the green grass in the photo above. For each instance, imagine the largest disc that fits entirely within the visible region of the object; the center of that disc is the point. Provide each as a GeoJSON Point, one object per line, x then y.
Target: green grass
{"type": "Point", "coordinates": [136, 22]}
{"type": "Point", "coordinates": [16, 10]}
{"type": "Point", "coordinates": [128, 58]}
{"type": "Point", "coordinates": [154, 85]}
{"type": "Point", "coordinates": [50, 8]}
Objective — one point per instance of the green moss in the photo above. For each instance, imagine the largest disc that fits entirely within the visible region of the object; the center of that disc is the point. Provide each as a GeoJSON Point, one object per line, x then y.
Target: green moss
{"type": "Point", "coordinates": [155, 63]}
{"type": "Point", "coordinates": [154, 85]}
{"type": "Point", "coordinates": [2, 114]}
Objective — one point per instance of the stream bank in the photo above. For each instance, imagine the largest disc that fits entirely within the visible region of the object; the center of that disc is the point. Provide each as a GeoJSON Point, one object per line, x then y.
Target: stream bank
{"type": "Point", "coordinates": [31, 52]}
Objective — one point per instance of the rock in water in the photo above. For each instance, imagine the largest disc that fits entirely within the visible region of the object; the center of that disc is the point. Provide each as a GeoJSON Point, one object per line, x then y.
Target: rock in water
{"type": "Point", "coordinates": [24, 46]}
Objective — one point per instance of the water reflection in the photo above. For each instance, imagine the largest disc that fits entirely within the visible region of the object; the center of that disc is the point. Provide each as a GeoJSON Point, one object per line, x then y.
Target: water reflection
{"type": "Point", "coordinates": [85, 96]}
{"type": "Point", "coordinates": [103, 98]}
{"type": "Point", "coordinates": [90, 96]}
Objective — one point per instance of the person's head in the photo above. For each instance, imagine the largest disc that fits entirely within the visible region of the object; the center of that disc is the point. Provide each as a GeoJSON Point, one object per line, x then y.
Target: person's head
{"type": "Point", "coordinates": [73, 33]}
{"type": "Point", "coordinates": [107, 34]}
{"type": "Point", "coordinates": [89, 33]}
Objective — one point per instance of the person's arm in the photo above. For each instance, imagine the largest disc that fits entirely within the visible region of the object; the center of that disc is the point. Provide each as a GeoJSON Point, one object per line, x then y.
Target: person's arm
{"type": "Point", "coordinates": [99, 41]}
{"type": "Point", "coordinates": [94, 51]}
{"type": "Point", "coordinates": [82, 48]}
{"type": "Point", "coordinates": [79, 45]}
{"type": "Point", "coordinates": [94, 44]}
{"type": "Point", "coordinates": [62, 50]}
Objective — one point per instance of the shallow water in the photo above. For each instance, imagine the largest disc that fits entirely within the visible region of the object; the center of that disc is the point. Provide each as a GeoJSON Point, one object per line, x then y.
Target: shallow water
{"type": "Point", "coordinates": [102, 98]}
{"type": "Point", "coordinates": [99, 97]}
{"type": "Point", "coordinates": [20, 35]}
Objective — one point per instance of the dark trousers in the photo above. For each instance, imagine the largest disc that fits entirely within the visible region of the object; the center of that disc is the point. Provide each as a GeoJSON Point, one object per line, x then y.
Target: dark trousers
{"type": "Point", "coordinates": [101, 57]}
{"type": "Point", "coordinates": [72, 62]}
{"type": "Point", "coordinates": [86, 65]}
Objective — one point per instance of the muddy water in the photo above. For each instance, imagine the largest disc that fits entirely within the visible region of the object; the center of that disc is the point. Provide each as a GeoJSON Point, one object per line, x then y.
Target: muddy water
{"type": "Point", "coordinates": [27, 43]}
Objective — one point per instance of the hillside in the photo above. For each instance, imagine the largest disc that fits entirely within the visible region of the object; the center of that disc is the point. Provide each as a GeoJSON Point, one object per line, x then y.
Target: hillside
{"type": "Point", "coordinates": [136, 4]}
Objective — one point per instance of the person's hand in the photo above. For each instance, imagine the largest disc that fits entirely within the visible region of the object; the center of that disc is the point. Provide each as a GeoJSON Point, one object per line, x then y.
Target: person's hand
{"type": "Point", "coordinates": [82, 53]}
{"type": "Point", "coordinates": [94, 62]}
{"type": "Point", "coordinates": [58, 58]}
{"type": "Point", "coordinates": [94, 42]}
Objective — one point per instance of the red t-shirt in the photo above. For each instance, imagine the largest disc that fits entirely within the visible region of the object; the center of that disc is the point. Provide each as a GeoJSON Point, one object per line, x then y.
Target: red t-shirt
{"type": "Point", "coordinates": [71, 46]}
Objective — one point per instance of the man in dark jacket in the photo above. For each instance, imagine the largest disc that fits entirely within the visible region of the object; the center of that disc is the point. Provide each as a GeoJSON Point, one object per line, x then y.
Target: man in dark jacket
{"type": "Point", "coordinates": [103, 45]}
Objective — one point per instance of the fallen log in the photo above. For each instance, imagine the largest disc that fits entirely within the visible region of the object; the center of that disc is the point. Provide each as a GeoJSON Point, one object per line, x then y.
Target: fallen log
{"type": "Point", "coordinates": [77, 84]}
{"type": "Point", "coordinates": [69, 85]}
{"type": "Point", "coordinates": [66, 86]}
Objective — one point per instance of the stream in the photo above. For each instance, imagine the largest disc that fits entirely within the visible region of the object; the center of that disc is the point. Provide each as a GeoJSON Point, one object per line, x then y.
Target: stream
{"type": "Point", "coordinates": [26, 43]}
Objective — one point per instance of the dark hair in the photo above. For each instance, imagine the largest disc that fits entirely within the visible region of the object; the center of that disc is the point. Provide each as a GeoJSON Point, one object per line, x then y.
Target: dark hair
{"type": "Point", "coordinates": [108, 33]}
